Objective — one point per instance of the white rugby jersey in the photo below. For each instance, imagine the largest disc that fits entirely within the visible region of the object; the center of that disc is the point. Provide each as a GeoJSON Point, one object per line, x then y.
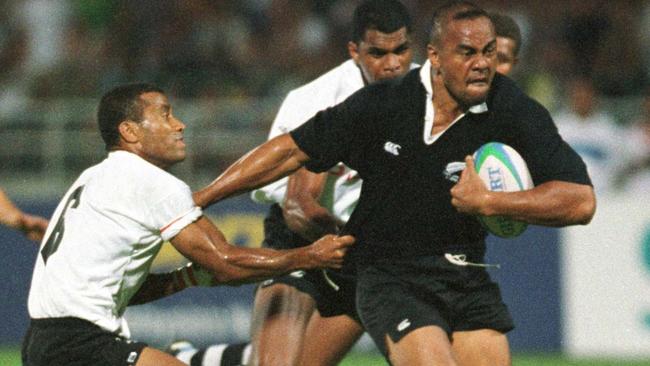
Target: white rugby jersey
{"type": "Point", "coordinates": [102, 238]}
{"type": "Point", "coordinates": [343, 185]}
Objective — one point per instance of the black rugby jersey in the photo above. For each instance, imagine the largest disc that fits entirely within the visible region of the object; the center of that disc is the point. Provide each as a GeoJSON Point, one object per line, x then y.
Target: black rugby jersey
{"type": "Point", "coordinates": [405, 206]}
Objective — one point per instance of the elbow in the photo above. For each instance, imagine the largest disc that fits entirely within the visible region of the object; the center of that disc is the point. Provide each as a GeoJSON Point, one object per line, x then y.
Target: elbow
{"type": "Point", "coordinates": [586, 210]}
{"type": "Point", "coordinates": [224, 274]}
{"type": "Point", "coordinates": [226, 278]}
{"type": "Point", "coordinates": [295, 214]}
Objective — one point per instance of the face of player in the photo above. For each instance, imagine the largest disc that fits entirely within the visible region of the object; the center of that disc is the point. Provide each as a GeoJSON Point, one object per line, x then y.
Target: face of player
{"type": "Point", "coordinates": [160, 134]}
{"type": "Point", "coordinates": [465, 59]}
{"type": "Point", "coordinates": [506, 59]}
{"type": "Point", "coordinates": [382, 55]}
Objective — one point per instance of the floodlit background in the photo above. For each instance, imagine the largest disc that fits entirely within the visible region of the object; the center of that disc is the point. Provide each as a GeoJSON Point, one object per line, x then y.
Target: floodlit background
{"type": "Point", "coordinates": [226, 64]}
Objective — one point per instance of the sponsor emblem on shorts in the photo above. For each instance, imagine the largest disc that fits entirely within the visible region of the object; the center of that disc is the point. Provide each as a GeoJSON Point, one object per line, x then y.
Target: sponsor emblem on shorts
{"type": "Point", "coordinates": [297, 274]}
{"type": "Point", "coordinates": [392, 148]}
{"type": "Point", "coordinates": [403, 324]}
{"type": "Point", "coordinates": [132, 357]}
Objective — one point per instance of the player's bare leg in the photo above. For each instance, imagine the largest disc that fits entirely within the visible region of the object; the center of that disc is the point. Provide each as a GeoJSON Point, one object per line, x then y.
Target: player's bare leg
{"type": "Point", "coordinates": [329, 339]}
{"type": "Point", "coordinates": [153, 357]}
{"type": "Point", "coordinates": [280, 318]}
{"type": "Point", "coordinates": [422, 347]}
{"type": "Point", "coordinates": [484, 347]}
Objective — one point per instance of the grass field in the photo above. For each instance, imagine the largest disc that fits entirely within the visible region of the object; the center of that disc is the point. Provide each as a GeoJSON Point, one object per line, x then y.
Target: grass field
{"type": "Point", "coordinates": [11, 357]}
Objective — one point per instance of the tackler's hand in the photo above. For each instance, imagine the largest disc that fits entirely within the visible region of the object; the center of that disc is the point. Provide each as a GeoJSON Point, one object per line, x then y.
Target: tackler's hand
{"type": "Point", "coordinates": [328, 251]}
{"type": "Point", "coordinates": [33, 226]}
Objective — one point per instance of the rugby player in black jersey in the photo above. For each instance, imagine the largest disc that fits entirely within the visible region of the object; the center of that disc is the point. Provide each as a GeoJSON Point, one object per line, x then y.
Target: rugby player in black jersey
{"type": "Point", "coordinates": [419, 307]}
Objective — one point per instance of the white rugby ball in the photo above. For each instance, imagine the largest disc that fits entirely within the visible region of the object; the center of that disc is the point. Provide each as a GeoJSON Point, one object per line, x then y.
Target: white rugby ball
{"type": "Point", "coordinates": [502, 169]}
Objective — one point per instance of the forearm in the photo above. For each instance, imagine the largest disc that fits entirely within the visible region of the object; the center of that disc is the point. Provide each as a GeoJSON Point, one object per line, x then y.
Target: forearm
{"type": "Point", "coordinates": [159, 285]}
{"type": "Point", "coordinates": [267, 163]}
{"type": "Point", "coordinates": [550, 204]}
{"type": "Point", "coordinates": [10, 215]}
{"type": "Point", "coordinates": [302, 210]}
{"type": "Point", "coordinates": [247, 265]}
{"type": "Point", "coordinates": [311, 221]}
{"type": "Point", "coordinates": [230, 264]}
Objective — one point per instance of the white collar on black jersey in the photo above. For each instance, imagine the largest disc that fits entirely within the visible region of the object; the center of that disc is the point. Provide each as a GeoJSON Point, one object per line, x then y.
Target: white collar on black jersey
{"type": "Point", "coordinates": [425, 78]}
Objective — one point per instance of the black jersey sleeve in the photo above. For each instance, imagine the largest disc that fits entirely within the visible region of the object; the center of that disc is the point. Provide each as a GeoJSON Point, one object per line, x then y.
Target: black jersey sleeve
{"type": "Point", "coordinates": [547, 155]}
{"type": "Point", "coordinates": [333, 134]}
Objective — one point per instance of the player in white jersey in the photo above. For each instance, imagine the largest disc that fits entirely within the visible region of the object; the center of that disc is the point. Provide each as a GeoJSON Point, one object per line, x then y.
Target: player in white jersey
{"type": "Point", "coordinates": [286, 329]}
{"type": "Point", "coordinates": [508, 42]}
{"type": "Point", "coordinates": [95, 258]}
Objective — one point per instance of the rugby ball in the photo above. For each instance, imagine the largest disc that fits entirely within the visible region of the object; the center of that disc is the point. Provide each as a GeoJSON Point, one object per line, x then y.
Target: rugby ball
{"type": "Point", "coordinates": [502, 169]}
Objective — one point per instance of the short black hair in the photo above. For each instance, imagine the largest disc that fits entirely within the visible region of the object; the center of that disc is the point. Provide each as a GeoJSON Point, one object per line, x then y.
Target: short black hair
{"type": "Point", "coordinates": [453, 10]}
{"type": "Point", "coordinates": [120, 104]}
{"type": "Point", "coordinates": [386, 16]}
{"type": "Point", "coordinates": [506, 27]}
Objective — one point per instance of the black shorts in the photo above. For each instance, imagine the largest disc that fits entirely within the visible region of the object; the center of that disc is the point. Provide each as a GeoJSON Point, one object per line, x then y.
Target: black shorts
{"type": "Point", "coordinates": [76, 342]}
{"type": "Point", "coordinates": [333, 291]}
{"type": "Point", "coordinates": [398, 297]}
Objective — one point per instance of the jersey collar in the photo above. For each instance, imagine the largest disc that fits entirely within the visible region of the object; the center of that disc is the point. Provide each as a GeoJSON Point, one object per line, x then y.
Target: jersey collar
{"type": "Point", "coordinates": [425, 79]}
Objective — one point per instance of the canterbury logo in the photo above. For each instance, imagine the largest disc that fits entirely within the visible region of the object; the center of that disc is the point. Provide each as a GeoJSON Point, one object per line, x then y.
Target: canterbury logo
{"type": "Point", "coordinates": [403, 324]}
{"type": "Point", "coordinates": [392, 148]}
{"type": "Point", "coordinates": [297, 274]}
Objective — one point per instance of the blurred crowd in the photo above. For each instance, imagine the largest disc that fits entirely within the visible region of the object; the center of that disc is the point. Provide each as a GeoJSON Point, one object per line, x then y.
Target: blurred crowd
{"type": "Point", "coordinates": [205, 50]}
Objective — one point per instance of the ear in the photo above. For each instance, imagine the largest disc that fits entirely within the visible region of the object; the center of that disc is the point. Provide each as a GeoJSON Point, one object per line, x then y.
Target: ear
{"type": "Point", "coordinates": [433, 55]}
{"type": "Point", "coordinates": [353, 51]}
{"type": "Point", "coordinates": [129, 131]}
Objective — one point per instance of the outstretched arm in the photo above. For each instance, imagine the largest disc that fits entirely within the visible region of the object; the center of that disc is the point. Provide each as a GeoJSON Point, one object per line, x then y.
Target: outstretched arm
{"type": "Point", "coordinates": [215, 261]}
{"type": "Point", "coordinates": [204, 244]}
{"type": "Point", "coordinates": [32, 226]}
{"type": "Point", "coordinates": [302, 211]}
{"type": "Point", "coordinates": [553, 203]}
{"type": "Point", "coordinates": [268, 162]}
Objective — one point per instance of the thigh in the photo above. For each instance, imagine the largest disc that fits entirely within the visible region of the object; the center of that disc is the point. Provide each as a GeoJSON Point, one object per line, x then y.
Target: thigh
{"type": "Point", "coordinates": [329, 339]}
{"type": "Point", "coordinates": [153, 357]}
{"type": "Point", "coordinates": [390, 308]}
{"type": "Point", "coordinates": [424, 346]}
{"type": "Point", "coordinates": [280, 317]}
{"type": "Point", "coordinates": [483, 347]}
{"type": "Point", "coordinates": [480, 307]}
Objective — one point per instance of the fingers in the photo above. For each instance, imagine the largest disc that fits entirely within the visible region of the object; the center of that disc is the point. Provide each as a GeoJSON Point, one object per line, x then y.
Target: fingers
{"type": "Point", "coordinates": [346, 240]}
{"type": "Point", "coordinates": [469, 162]}
{"type": "Point", "coordinates": [469, 168]}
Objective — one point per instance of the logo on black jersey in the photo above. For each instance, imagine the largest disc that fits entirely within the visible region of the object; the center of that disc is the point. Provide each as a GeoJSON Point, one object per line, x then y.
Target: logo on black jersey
{"type": "Point", "coordinates": [403, 325]}
{"type": "Point", "coordinates": [392, 148]}
{"type": "Point", "coordinates": [452, 171]}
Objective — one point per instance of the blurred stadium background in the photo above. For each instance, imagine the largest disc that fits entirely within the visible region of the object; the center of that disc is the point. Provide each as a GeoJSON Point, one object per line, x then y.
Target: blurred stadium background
{"type": "Point", "coordinates": [580, 296]}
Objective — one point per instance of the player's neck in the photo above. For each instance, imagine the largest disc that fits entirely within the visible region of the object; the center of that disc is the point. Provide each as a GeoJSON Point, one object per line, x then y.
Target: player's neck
{"type": "Point", "coordinates": [444, 104]}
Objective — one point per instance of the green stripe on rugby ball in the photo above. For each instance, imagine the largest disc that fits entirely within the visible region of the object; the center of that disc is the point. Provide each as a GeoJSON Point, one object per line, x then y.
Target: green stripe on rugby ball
{"type": "Point", "coordinates": [498, 225]}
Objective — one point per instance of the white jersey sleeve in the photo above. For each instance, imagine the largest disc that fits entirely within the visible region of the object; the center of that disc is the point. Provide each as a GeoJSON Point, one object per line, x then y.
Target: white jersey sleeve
{"type": "Point", "coordinates": [343, 184]}
{"type": "Point", "coordinates": [303, 103]}
{"type": "Point", "coordinates": [103, 238]}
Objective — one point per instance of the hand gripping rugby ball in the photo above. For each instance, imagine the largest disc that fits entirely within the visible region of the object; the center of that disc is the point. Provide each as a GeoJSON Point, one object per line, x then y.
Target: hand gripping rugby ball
{"type": "Point", "coordinates": [503, 170]}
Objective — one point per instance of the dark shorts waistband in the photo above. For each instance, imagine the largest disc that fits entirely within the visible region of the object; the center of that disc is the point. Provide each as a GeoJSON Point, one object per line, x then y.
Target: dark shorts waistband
{"type": "Point", "coordinates": [67, 322]}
